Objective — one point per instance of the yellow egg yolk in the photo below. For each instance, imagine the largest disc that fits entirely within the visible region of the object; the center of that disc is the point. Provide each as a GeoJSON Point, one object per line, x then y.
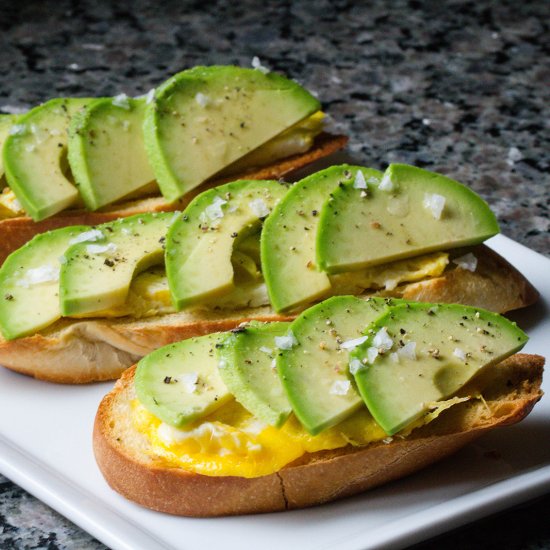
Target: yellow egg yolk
{"type": "Point", "coordinates": [231, 442]}
{"type": "Point", "coordinates": [9, 205]}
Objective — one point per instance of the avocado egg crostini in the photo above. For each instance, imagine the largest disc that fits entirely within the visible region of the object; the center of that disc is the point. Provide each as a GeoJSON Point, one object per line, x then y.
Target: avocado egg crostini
{"type": "Point", "coordinates": [243, 250]}
{"type": "Point", "coordinates": [90, 160]}
{"type": "Point", "coordinates": [326, 420]}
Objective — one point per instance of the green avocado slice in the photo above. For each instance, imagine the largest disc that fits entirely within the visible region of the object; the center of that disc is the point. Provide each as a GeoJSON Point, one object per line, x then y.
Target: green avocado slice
{"type": "Point", "coordinates": [34, 158]}
{"type": "Point", "coordinates": [106, 150]}
{"type": "Point", "coordinates": [29, 279]}
{"type": "Point", "coordinates": [289, 235]}
{"type": "Point", "coordinates": [200, 243]}
{"type": "Point", "coordinates": [180, 383]}
{"type": "Point", "coordinates": [247, 366]}
{"type": "Point", "coordinates": [205, 118]}
{"type": "Point", "coordinates": [410, 212]}
{"type": "Point", "coordinates": [97, 275]}
{"type": "Point", "coordinates": [417, 354]}
{"type": "Point", "coordinates": [313, 365]}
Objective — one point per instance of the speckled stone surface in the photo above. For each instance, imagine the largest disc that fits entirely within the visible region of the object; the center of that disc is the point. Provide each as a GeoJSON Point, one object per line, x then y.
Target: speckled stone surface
{"type": "Point", "coordinates": [456, 87]}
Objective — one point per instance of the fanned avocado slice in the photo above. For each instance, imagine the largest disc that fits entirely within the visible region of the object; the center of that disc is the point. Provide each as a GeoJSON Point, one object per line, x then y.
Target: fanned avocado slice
{"type": "Point", "coordinates": [200, 243]}
{"type": "Point", "coordinates": [292, 275]}
{"type": "Point", "coordinates": [96, 276]}
{"type": "Point", "coordinates": [35, 158]}
{"type": "Point", "coordinates": [205, 118]}
{"type": "Point", "coordinates": [313, 362]}
{"type": "Point", "coordinates": [247, 366]}
{"type": "Point", "coordinates": [106, 150]}
{"type": "Point", "coordinates": [417, 354]}
{"type": "Point", "coordinates": [410, 212]}
{"type": "Point", "coordinates": [29, 279]}
{"type": "Point", "coordinates": [180, 383]}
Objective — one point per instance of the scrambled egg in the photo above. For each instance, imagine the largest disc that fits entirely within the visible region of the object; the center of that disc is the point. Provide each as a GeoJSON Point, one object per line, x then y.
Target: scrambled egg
{"type": "Point", "coordinates": [293, 141]}
{"type": "Point", "coordinates": [149, 293]}
{"type": "Point", "coordinates": [9, 205]}
{"type": "Point", "coordinates": [231, 442]}
{"type": "Point", "coordinates": [388, 276]}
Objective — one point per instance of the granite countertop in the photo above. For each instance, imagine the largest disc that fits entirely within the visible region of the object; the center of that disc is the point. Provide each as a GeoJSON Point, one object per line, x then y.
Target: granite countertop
{"type": "Point", "coordinates": [458, 87]}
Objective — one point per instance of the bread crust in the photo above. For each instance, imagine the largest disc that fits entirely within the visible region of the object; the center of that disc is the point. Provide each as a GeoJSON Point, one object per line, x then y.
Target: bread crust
{"type": "Point", "coordinates": [15, 232]}
{"type": "Point", "coordinates": [81, 351]}
{"type": "Point", "coordinates": [121, 454]}
{"type": "Point", "coordinates": [495, 285]}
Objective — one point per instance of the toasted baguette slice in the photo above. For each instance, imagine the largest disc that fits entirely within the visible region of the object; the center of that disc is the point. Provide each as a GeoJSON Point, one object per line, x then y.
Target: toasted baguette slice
{"type": "Point", "coordinates": [80, 351]}
{"type": "Point", "coordinates": [15, 232]}
{"type": "Point", "coordinates": [510, 390]}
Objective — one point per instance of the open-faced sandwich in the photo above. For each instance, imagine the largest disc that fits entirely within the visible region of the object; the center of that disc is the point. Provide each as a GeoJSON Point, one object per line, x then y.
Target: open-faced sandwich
{"type": "Point", "coordinates": [88, 161]}
{"type": "Point", "coordinates": [274, 416]}
{"type": "Point", "coordinates": [82, 303]}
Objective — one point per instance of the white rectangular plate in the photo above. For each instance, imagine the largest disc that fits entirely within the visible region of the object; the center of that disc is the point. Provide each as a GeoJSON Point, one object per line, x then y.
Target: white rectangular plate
{"type": "Point", "coordinates": [45, 446]}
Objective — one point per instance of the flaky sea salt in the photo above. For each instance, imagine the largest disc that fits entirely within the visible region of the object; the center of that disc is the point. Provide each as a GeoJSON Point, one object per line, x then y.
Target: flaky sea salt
{"type": "Point", "coordinates": [17, 130]}
{"type": "Point", "coordinates": [351, 344]}
{"type": "Point", "coordinates": [386, 184]}
{"type": "Point", "coordinates": [101, 248]}
{"type": "Point", "coordinates": [460, 354]}
{"type": "Point", "coordinates": [257, 64]}
{"type": "Point", "coordinates": [202, 100]}
{"type": "Point", "coordinates": [286, 342]}
{"type": "Point", "coordinates": [44, 274]}
{"type": "Point", "coordinates": [468, 262]}
{"type": "Point", "coordinates": [189, 381]}
{"type": "Point", "coordinates": [382, 340]}
{"type": "Point", "coordinates": [259, 208]}
{"type": "Point", "coordinates": [359, 182]}
{"type": "Point", "coordinates": [434, 203]}
{"type": "Point", "coordinates": [87, 236]}
{"type": "Point", "coordinates": [408, 351]}
{"type": "Point", "coordinates": [372, 354]}
{"type": "Point", "coordinates": [122, 101]}
{"type": "Point", "coordinates": [355, 365]}
{"type": "Point", "coordinates": [340, 387]}
{"type": "Point", "coordinates": [213, 211]}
